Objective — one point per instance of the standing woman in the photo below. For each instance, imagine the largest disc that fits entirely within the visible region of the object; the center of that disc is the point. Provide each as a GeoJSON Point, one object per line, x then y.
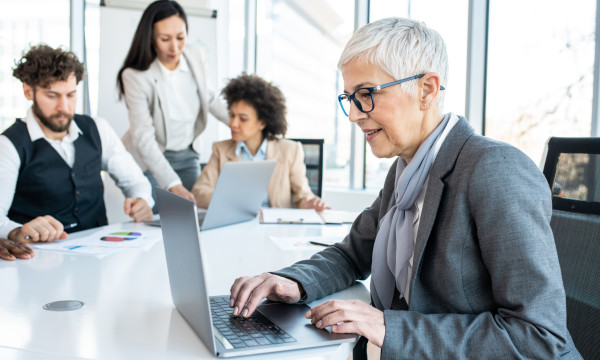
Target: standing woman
{"type": "Point", "coordinates": [167, 97]}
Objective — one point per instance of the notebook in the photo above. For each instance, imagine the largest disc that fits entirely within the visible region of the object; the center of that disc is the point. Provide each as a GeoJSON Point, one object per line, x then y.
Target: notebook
{"type": "Point", "coordinates": [240, 190]}
{"type": "Point", "coordinates": [305, 216]}
{"type": "Point", "coordinates": [274, 327]}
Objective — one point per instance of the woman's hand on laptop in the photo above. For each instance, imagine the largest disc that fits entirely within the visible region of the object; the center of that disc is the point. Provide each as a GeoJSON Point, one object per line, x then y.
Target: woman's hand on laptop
{"type": "Point", "coordinates": [350, 317]}
{"type": "Point", "coordinates": [247, 292]}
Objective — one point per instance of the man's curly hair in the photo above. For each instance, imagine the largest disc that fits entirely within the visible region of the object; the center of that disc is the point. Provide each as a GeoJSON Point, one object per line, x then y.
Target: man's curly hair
{"type": "Point", "coordinates": [264, 97]}
{"type": "Point", "coordinates": [42, 65]}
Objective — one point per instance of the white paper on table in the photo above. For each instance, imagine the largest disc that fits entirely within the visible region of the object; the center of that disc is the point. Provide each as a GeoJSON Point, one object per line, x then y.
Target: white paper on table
{"type": "Point", "coordinates": [92, 244]}
{"type": "Point", "coordinates": [303, 243]}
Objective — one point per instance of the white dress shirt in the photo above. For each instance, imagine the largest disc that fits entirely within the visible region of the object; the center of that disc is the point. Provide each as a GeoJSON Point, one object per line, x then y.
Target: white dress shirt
{"type": "Point", "coordinates": [418, 205]}
{"type": "Point", "coordinates": [115, 160]}
{"type": "Point", "coordinates": [183, 102]}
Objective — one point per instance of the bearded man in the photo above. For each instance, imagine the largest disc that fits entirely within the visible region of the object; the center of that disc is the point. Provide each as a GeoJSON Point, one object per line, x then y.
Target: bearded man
{"type": "Point", "coordinates": [51, 160]}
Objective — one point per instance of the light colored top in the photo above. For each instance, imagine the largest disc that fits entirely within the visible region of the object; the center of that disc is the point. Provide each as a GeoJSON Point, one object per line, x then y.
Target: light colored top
{"type": "Point", "coordinates": [242, 151]}
{"type": "Point", "coordinates": [149, 115]}
{"type": "Point", "coordinates": [261, 155]}
{"type": "Point", "coordinates": [288, 185]}
{"type": "Point", "coordinates": [418, 205]}
{"type": "Point", "coordinates": [115, 160]}
{"type": "Point", "coordinates": [183, 102]}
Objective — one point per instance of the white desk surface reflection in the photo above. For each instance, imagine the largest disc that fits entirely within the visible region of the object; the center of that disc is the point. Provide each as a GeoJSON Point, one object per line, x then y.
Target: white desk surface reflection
{"type": "Point", "coordinates": [128, 311]}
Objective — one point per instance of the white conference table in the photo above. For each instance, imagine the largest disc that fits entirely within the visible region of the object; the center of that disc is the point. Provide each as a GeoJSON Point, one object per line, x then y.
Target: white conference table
{"type": "Point", "coordinates": [128, 312]}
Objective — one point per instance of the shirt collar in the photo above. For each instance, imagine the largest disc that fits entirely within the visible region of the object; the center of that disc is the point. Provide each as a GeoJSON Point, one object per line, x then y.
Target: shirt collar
{"type": "Point", "coordinates": [241, 146]}
{"type": "Point", "coordinates": [182, 67]}
{"type": "Point", "coordinates": [36, 132]}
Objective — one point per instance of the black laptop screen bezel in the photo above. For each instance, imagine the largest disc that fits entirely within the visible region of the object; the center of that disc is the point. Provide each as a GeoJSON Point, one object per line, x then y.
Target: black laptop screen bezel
{"type": "Point", "coordinates": [560, 145]}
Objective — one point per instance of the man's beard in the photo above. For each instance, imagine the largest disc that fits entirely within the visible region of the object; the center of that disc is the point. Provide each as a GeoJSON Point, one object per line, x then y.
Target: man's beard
{"type": "Point", "coordinates": [49, 121]}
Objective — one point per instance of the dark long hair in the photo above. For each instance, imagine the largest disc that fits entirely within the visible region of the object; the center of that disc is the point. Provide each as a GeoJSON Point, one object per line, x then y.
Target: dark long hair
{"type": "Point", "coordinates": [142, 53]}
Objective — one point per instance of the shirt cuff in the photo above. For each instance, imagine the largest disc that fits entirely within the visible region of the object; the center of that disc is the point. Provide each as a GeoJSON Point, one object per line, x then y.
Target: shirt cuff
{"type": "Point", "coordinates": [149, 200]}
{"type": "Point", "coordinates": [7, 227]}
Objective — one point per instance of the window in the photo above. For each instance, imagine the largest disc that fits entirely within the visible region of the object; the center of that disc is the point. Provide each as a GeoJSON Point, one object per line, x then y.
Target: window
{"type": "Point", "coordinates": [25, 23]}
{"type": "Point", "coordinates": [453, 30]}
{"type": "Point", "coordinates": [298, 46]}
{"type": "Point", "coordinates": [92, 49]}
{"type": "Point", "coordinates": [540, 72]}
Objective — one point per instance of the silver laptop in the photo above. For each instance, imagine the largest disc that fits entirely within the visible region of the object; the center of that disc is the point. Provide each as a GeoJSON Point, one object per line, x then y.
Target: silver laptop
{"type": "Point", "coordinates": [240, 190]}
{"type": "Point", "coordinates": [273, 327]}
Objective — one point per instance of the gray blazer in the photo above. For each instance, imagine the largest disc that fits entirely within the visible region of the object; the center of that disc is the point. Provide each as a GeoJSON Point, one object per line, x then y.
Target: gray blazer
{"type": "Point", "coordinates": [486, 281]}
{"type": "Point", "coordinates": [148, 116]}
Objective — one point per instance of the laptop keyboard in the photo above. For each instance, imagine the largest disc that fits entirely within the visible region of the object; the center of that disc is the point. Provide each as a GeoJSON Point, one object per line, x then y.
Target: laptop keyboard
{"type": "Point", "coordinates": [256, 330]}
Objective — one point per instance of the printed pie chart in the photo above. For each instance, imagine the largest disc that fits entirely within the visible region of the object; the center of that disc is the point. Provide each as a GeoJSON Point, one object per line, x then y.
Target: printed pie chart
{"type": "Point", "coordinates": [121, 236]}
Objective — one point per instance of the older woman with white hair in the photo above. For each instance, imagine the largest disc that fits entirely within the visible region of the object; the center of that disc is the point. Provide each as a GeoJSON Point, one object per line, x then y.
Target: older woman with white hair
{"type": "Point", "coordinates": [458, 243]}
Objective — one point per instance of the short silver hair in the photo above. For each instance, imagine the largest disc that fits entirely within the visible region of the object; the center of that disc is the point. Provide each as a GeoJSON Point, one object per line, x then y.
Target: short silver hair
{"type": "Point", "coordinates": [401, 48]}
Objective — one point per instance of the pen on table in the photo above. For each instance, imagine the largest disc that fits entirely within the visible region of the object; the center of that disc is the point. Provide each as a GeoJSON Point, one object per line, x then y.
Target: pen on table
{"type": "Point", "coordinates": [318, 243]}
{"type": "Point", "coordinates": [66, 227]}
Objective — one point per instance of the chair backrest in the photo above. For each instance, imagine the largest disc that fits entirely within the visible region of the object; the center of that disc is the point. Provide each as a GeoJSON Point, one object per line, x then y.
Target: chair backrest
{"type": "Point", "coordinates": [572, 168]}
{"type": "Point", "coordinates": [313, 159]}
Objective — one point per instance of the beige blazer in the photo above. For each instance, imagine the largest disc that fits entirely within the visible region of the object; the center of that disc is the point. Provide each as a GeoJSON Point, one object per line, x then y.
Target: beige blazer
{"type": "Point", "coordinates": [288, 185]}
{"type": "Point", "coordinates": [148, 115]}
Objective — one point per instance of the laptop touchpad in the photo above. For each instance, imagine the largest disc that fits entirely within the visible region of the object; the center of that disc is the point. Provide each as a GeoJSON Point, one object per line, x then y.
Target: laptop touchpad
{"type": "Point", "coordinates": [290, 317]}
{"type": "Point", "coordinates": [285, 315]}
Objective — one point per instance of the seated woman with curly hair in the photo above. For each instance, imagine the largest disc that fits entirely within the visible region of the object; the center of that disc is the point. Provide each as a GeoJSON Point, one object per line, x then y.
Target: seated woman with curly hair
{"type": "Point", "coordinates": [257, 120]}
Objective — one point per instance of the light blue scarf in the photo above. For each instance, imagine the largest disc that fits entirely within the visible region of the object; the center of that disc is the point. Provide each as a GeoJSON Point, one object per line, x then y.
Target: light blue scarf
{"type": "Point", "coordinates": [394, 242]}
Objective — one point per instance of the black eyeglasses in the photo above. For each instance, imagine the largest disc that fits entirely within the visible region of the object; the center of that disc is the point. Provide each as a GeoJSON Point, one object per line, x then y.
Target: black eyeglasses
{"type": "Point", "coordinates": [363, 97]}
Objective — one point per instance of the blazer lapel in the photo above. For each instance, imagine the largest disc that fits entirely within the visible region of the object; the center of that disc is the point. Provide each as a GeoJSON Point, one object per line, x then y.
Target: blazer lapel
{"type": "Point", "coordinates": [443, 164]}
{"type": "Point", "coordinates": [161, 96]}
{"type": "Point", "coordinates": [271, 149]}
{"type": "Point", "coordinates": [230, 153]}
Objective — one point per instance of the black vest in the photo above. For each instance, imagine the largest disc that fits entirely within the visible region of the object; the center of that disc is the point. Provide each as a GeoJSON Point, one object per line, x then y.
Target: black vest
{"type": "Point", "coordinates": [48, 186]}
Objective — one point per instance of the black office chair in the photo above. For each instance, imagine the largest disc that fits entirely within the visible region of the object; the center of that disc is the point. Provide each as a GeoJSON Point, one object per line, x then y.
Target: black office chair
{"type": "Point", "coordinates": [313, 159]}
{"type": "Point", "coordinates": [572, 168]}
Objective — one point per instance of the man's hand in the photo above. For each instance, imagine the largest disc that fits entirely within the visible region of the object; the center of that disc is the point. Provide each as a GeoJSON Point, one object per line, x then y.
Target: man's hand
{"type": "Point", "coordinates": [12, 249]}
{"type": "Point", "coordinates": [42, 228]}
{"type": "Point", "coordinates": [138, 209]}
{"type": "Point", "coordinates": [183, 192]}
{"type": "Point", "coordinates": [350, 316]}
{"type": "Point", "coordinates": [247, 292]}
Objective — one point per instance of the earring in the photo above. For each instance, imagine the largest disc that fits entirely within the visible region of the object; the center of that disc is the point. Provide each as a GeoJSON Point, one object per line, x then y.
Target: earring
{"type": "Point", "coordinates": [427, 105]}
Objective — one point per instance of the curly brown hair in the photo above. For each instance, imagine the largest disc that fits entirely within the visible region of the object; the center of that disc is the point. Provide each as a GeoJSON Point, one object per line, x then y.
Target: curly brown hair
{"type": "Point", "coordinates": [42, 65]}
{"type": "Point", "coordinates": [264, 97]}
